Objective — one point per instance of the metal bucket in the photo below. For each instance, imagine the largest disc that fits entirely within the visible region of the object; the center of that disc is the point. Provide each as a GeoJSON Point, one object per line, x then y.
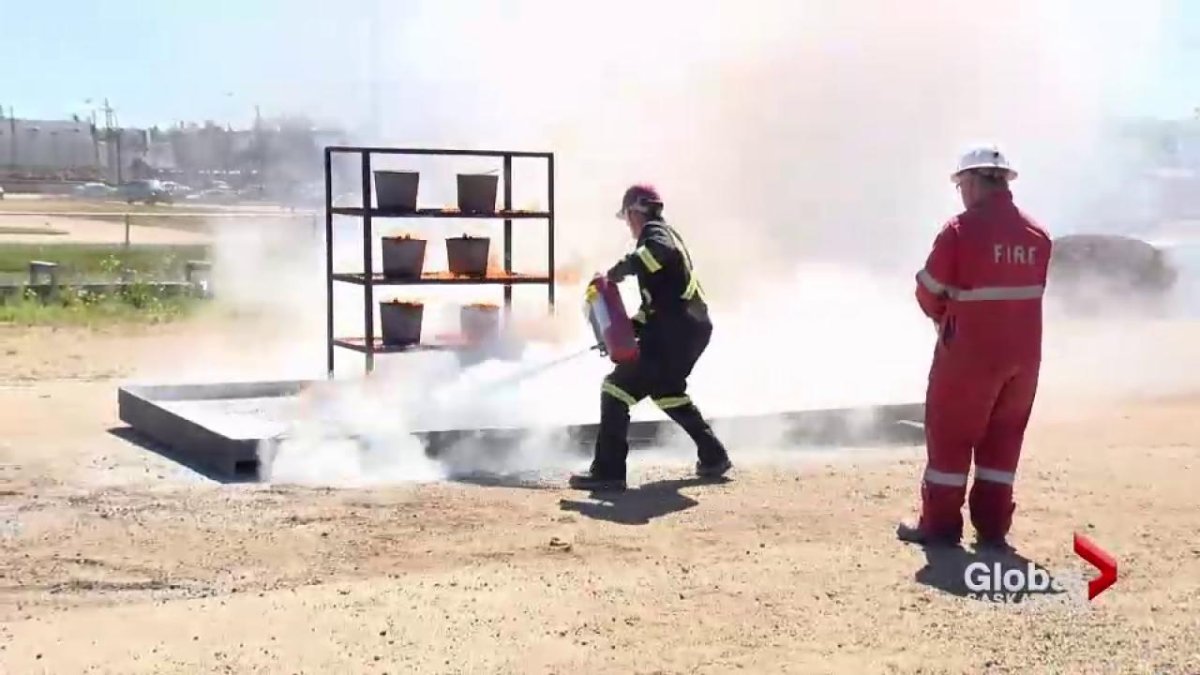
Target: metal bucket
{"type": "Point", "coordinates": [401, 322]}
{"type": "Point", "coordinates": [403, 257]}
{"type": "Point", "coordinates": [468, 256]}
{"type": "Point", "coordinates": [477, 192]}
{"type": "Point", "coordinates": [396, 190]}
{"type": "Point", "coordinates": [480, 323]}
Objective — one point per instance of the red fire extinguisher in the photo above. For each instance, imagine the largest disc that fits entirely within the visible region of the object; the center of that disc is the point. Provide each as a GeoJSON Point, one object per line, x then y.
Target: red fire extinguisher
{"type": "Point", "coordinates": [611, 324]}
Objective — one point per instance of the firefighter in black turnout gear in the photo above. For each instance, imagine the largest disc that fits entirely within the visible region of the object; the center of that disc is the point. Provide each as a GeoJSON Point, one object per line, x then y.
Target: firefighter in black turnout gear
{"type": "Point", "coordinates": [673, 330]}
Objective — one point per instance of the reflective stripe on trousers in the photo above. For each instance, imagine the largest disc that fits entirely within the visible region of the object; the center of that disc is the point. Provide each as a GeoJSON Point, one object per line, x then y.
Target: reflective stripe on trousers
{"type": "Point", "coordinates": [669, 402]}
{"type": "Point", "coordinates": [994, 475]}
{"type": "Point", "coordinates": [935, 477]}
{"type": "Point", "coordinates": [618, 393]}
{"type": "Point", "coordinates": [985, 293]}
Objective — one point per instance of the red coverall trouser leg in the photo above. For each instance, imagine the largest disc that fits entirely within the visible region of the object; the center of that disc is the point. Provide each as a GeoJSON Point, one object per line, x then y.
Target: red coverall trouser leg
{"type": "Point", "coordinates": [982, 408]}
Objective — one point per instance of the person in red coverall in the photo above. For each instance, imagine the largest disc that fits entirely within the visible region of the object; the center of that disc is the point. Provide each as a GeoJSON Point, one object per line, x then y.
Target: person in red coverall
{"type": "Point", "coordinates": [982, 285]}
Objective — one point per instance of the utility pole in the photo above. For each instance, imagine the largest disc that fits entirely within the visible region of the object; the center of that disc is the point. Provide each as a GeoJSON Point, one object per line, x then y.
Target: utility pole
{"type": "Point", "coordinates": [12, 127]}
{"type": "Point", "coordinates": [112, 133]}
{"type": "Point", "coordinates": [95, 141]}
{"type": "Point", "coordinates": [260, 149]}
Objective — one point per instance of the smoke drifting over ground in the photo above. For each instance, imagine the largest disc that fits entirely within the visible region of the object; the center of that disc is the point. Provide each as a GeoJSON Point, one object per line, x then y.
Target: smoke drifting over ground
{"type": "Point", "coordinates": [803, 148]}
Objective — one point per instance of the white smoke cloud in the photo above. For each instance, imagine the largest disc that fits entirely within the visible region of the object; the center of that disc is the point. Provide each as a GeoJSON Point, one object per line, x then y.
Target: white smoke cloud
{"type": "Point", "coordinates": [803, 148]}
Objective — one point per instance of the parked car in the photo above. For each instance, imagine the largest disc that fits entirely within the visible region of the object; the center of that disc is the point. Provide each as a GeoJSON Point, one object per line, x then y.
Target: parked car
{"type": "Point", "coordinates": [1, 192]}
{"type": "Point", "coordinates": [214, 196]}
{"type": "Point", "coordinates": [146, 191]}
{"type": "Point", "coordinates": [92, 191]}
{"type": "Point", "coordinates": [1091, 272]}
{"type": "Point", "coordinates": [176, 190]}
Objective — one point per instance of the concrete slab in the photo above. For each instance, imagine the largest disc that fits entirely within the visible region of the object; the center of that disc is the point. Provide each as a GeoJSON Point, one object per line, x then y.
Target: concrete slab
{"type": "Point", "coordinates": [218, 426]}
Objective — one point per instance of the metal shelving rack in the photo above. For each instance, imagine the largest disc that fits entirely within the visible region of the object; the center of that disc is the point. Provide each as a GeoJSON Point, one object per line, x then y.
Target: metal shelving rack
{"type": "Point", "coordinates": [369, 344]}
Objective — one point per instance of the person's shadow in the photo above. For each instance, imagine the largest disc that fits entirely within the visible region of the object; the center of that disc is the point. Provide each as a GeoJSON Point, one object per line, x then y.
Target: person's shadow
{"type": "Point", "coordinates": [953, 569]}
{"type": "Point", "coordinates": [640, 505]}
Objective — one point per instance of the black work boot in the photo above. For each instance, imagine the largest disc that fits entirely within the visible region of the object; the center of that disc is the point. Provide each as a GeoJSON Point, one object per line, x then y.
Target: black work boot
{"type": "Point", "coordinates": [593, 482]}
{"type": "Point", "coordinates": [714, 460]}
{"type": "Point", "coordinates": [612, 448]}
{"type": "Point", "coordinates": [716, 470]}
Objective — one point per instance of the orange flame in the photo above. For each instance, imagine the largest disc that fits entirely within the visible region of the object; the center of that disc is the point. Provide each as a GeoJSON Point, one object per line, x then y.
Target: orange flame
{"type": "Point", "coordinates": [570, 273]}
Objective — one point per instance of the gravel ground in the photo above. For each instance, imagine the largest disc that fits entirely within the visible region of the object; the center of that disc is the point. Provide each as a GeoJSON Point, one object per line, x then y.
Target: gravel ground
{"type": "Point", "coordinates": [118, 561]}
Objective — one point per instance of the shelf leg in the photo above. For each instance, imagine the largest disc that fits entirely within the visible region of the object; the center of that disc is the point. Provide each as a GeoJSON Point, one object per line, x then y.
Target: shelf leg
{"type": "Point", "coordinates": [368, 285]}
{"type": "Point", "coordinates": [329, 261]}
{"type": "Point", "coordinates": [550, 221]}
{"type": "Point", "coordinates": [508, 205]}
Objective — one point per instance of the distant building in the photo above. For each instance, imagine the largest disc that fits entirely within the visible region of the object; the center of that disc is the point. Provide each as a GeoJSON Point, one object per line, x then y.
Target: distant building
{"type": "Point", "coordinates": [287, 150]}
{"type": "Point", "coordinates": [48, 145]}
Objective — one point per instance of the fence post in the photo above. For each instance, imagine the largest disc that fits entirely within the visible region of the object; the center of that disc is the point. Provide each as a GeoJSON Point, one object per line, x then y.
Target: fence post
{"type": "Point", "coordinates": [127, 230]}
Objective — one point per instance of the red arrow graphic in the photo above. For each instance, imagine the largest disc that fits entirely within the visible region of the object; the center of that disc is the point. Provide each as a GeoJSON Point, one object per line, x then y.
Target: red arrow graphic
{"type": "Point", "coordinates": [1088, 550]}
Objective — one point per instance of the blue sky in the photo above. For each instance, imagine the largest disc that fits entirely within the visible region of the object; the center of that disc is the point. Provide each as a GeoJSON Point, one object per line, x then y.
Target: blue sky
{"type": "Point", "coordinates": [176, 60]}
{"type": "Point", "coordinates": [1176, 90]}
{"type": "Point", "coordinates": [201, 59]}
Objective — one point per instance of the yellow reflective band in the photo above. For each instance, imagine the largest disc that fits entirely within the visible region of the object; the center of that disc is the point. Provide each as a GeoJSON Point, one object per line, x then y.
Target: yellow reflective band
{"type": "Point", "coordinates": [590, 294]}
{"type": "Point", "coordinates": [670, 402]}
{"type": "Point", "coordinates": [648, 259]}
{"type": "Point", "coordinates": [692, 289]}
{"type": "Point", "coordinates": [640, 317]}
{"type": "Point", "coordinates": [687, 257]}
{"type": "Point", "coordinates": [618, 393]}
{"type": "Point", "coordinates": [693, 286]}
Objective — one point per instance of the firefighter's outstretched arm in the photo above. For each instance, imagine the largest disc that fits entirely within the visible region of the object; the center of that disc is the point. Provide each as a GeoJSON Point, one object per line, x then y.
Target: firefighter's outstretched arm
{"type": "Point", "coordinates": [938, 280]}
{"type": "Point", "coordinates": [622, 269]}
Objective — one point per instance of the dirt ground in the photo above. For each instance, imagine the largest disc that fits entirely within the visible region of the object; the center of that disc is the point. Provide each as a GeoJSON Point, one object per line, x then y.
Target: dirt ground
{"type": "Point", "coordinates": [118, 561]}
{"type": "Point", "coordinates": [59, 230]}
{"type": "Point", "coordinates": [34, 219]}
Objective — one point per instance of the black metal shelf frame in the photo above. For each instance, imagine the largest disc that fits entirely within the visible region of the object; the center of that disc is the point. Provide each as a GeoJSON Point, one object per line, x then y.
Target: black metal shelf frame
{"type": "Point", "coordinates": [369, 345]}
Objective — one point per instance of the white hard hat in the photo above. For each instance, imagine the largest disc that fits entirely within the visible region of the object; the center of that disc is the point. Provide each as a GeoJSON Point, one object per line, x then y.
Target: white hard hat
{"type": "Point", "coordinates": [984, 156]}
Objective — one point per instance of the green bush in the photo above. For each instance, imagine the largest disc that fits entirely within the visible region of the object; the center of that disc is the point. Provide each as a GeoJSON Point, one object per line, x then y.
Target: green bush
{"type": "Point", "coordinates": [137, 303]}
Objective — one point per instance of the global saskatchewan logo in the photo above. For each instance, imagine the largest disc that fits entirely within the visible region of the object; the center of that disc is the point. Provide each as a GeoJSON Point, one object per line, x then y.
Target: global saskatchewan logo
{"type": "Point", "coordinates": [1097, 557]}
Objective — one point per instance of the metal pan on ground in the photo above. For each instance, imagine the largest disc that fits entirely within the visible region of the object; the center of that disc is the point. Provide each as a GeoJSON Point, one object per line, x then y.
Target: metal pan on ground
{"type": "Point", "coordinates": [217, 427]}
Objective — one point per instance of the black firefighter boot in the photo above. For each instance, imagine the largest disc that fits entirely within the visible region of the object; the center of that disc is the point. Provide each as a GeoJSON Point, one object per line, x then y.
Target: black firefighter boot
{"type": "Point", "coordinates": [607, 473]}
{"type": "Point", "coordinates": [714, 460]}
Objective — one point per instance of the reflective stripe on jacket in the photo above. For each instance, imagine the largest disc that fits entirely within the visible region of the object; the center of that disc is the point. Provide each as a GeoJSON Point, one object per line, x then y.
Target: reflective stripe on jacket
{"type": "Point", "coordinates": [663, 266]}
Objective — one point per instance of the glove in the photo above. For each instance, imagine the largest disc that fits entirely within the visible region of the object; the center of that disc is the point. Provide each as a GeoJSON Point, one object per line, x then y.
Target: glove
{"type": "Point", "coordinates": [618, 272]}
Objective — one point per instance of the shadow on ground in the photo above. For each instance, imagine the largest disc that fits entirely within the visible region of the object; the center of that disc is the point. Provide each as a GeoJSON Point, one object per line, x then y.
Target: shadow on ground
{"type": "Point", "coordinates": [639, 505]}
{"type": "Point", "coordinates": [130, 435]}
{"type": "Point", "coordinates": [520, 481]}
{"type": "Point", "coordinates": [946, 569]}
